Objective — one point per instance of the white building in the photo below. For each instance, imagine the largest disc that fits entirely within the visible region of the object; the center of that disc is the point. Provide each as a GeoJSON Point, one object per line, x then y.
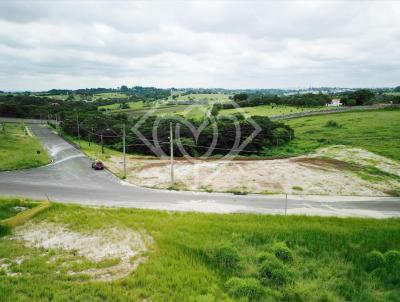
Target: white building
{"type": "Point", "coordinates": [334, 103]}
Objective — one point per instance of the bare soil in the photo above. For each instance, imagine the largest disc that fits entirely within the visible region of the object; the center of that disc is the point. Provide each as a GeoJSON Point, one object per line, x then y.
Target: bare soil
{"type": "Point", "coordinates": [330, 171]}
{"type": "Point", "coordinates": [123, 245]}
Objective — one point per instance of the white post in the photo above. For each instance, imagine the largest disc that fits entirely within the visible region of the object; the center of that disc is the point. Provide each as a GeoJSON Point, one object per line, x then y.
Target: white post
{"type": "Point", "coordinates": [172, 153]}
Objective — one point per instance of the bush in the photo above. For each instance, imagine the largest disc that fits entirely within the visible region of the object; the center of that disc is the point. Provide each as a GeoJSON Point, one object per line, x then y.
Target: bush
{"type": "Point", "coordinates": [392, 273]}
{"type": "Point", "coordinates": [224, 257]}
{"type": "Point", "coordinates": [266, 256]}
{"type": "Point", "coordinates": [274, 272]}
{"type": "Point", "coordinates": [392, 257]}
{"type": "Point", "coordinates": [249, 288]}
{"type": "Point", "coordinates": [374, 260]}
{"type": "Point", "coordinates": [4, 230]}
{"type": "Point", "coordinates": [282, 252]}
{"type": "Point", "coordinates": [332, 124]}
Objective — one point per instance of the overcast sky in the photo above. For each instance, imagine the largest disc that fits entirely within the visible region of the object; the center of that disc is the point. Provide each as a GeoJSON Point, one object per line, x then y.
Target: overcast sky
{"type": "Point", "coordinates": [264, 44]}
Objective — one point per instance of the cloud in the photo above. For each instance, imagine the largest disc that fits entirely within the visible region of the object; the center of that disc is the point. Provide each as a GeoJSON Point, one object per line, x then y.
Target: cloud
{"type": "Point", "coordinates": [76, 44]}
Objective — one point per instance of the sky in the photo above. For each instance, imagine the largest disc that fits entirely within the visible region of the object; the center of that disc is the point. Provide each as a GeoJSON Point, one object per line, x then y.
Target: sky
{"type": "Point", "coordinates": [232, 44]}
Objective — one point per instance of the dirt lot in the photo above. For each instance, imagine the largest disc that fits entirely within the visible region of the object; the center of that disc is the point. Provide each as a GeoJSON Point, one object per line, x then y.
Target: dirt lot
{"type": "Point", "coordinates": [336, 170]}
{"type": "Point", "coordinates": [104, 255]}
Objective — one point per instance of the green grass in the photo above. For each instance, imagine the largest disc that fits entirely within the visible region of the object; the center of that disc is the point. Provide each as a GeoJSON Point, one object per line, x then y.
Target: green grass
{"type": "Point", "coordinates": [19, 151]}
{"type": "Point", "coordinates": [377, 131]}
{"type": "Point", "coordinates": [7, 207]}
{"type": "Point", "coordinates": [209, 97]}
{"type": "Point", "coordinates": [116, 106]}
{"type": "Point", "coordinates": [211, 257]}
{"type": "Point", "coordinates": [110, 95]}
{"type": "Point", "coordinates": [268, 110]}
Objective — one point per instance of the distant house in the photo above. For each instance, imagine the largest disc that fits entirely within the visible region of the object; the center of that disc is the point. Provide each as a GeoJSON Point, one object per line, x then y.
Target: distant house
{"type": "Point", "coordinates": [334, 103]}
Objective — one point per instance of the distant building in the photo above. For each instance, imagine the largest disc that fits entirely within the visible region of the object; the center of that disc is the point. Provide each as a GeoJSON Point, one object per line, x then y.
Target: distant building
{"type": "Point", "coordinates": [334, 103]}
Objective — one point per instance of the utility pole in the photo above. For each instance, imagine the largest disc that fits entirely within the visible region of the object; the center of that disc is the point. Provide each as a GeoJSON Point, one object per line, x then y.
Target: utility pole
{"type": "Point", "coordinates": [124, 149]}
{"type": "Point", "coordinates": [171, 153]}
{"type": "Point", "coordinates": [90, 137]}
{"type": "Point", "coordinates": [79, 133]}
{"type": "Point", "coordinates": [101, 139]}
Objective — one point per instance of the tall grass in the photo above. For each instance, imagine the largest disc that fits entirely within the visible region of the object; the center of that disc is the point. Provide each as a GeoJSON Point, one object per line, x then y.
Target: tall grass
{"type": "Point", "coordinates": [210, 257]}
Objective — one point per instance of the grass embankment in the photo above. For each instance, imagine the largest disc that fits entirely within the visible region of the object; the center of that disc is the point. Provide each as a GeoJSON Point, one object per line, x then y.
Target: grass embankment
{"type": "Point", "coordinates": [17, 211]}
{"type": "Point", "coordinates": [376, 131]}
{"type": "Point", "coordinates": [210, 257]}
{"type": "Point", "coordinates": [19, 151]}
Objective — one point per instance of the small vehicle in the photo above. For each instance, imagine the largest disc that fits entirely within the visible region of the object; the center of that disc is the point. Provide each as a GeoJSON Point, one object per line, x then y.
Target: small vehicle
{"type": "Point", "coordinates": [97, 165]}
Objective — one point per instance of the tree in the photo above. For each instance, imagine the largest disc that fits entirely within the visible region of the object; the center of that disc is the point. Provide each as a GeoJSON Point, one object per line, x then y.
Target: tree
{"type": "Point", "coordinates": [124, 106]}
{"type": "Point", "coordinates": [361, 96]}
{"type": "Point", "coordinates": [397, 89]}
{"type": "Point", "coordinates": [240, 97]}
{"type": "Point", "coordinates": [124, 88]}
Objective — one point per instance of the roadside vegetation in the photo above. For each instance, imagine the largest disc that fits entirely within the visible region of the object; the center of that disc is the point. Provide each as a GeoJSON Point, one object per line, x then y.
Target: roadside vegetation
{"type": "Point", "coordinates": [211, 257]}
{"type": "Point", "coordinates": [18, 150]}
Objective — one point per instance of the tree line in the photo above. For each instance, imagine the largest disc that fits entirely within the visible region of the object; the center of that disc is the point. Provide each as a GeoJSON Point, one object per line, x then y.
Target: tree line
{"type": "Point", "coordinates": [96, 126]}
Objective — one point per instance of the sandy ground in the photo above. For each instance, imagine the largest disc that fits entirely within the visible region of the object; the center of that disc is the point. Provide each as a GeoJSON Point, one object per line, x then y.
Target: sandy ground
{"type": "Point", "coordinates": [329, 171]}
{"type": "Point", "coordinates": [123, 245]}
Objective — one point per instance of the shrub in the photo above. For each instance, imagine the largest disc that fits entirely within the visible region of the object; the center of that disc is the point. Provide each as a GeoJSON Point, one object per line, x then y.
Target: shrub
{"type": "Point", "coordinates": [392, 257]}
{"type": "Point", "coordinates": [332, 124]}
{"type": "Point", "coordinates": [4, 230]}
{"type": "Point", "coordinates": [392, 273]}
{"type": "Point", "coordinates": [274, 272]}
{"type": "Point", "coordinates": [266, 256]}
{"type": "Point", "coordinates": [282, 252]}
{"type": "Point", "coordinates": [374, 260]}
{"type": "Point", "coordinates": [249, 288]}
{"type": "Point", "coordinates": [224, 257]}
{"type": "Point", "coordinates": [297, 188]}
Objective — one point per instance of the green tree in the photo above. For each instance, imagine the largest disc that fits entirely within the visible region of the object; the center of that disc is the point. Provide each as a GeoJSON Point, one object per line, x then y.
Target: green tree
{"type": "Point", "coordinates": [361, 96]}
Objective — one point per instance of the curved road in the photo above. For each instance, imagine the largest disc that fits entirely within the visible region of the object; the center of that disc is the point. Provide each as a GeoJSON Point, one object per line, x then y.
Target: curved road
{"type": "Point", "coordinates": [70, 179]}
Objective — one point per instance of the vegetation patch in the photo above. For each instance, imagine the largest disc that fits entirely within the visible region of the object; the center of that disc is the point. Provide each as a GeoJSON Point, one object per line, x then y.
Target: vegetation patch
{"type": "Point", "coordinates": [376, 131]}
{"type": "Point", "coordinates": [200, 257]}
{"type": "Point", "coordinates": [18, 150]}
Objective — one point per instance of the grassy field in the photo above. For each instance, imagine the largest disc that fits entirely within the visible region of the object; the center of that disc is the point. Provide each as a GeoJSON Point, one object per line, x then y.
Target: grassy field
{"type": "Point", "coordinates": [19, 151]}
{"type": "Point", "coordinates": [209, 97]}
{"type": "Point", "coordinates": [210, 257]}
{"type": "Point", "coordinates": [268, 110]}
{"type": "Point", "coordinates": [110, 95]}
{"type": "Point", "coordinates": [116, 106]}
{"type": "Point", "coordinates": [377, 131]}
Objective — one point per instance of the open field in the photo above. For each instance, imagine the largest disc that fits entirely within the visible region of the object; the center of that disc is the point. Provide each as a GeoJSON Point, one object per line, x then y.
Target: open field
{"type": "Point", "coordinates": [209, 97]}
{"type": "Point", "coordinates": [337, 170]}
{"type": "Point", "coordinates": [116, 106]}
{"type": "Point", "coordinates": [198, 257]}
{"type": "Point", "coordinates": [20, 151]}
{"type": "Point", "coordinates": [268, 110]}
{"type": "Point", "coordinates": [110, 95]}
{"type": "Point", "coordinates": [376, 131]}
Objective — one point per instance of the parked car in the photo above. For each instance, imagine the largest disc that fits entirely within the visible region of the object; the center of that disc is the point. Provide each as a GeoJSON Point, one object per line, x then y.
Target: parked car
{"type": "Point", "coordinates": [97, 165]}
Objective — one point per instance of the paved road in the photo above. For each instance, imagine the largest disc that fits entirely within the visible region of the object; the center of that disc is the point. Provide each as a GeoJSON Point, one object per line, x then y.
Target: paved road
{"type": "Point", "coordinates": [70, 179]}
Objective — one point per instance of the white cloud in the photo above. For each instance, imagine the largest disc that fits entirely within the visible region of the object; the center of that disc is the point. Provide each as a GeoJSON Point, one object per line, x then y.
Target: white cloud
{"type": "Point", "coordinates": [232, 44]}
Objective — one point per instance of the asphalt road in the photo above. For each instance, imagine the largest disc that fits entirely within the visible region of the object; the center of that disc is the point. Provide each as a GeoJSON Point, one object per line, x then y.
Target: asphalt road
{"type": "Point", "coordinates": [70, 179]}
